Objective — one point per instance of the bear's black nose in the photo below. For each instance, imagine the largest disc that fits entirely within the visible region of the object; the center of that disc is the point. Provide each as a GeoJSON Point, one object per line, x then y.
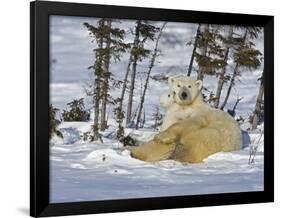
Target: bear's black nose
{"type": "Point", "coordinates": [184, 95]}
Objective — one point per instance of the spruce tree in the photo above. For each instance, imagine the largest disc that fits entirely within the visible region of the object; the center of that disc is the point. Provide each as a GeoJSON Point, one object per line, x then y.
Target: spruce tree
{"type": "Point", "coordinates": [114, 48]}
{"type": "Point", "coordinates": [245, 55]}
{"type": "Point", "coordinates": [151, 65]}
{"type": "Point", "coordinates": [118, 110]}
{"type": "Point", "coordinates": [228, 42]}
{"type": "Point", "coordinates": [110, 46]}
{"type": "Point", "coordinates": [97, 34]}
{"type": "Point", "coordinates": [119, 117]}
{"type": "Point", "coordinates": [259, 107]}
{"type": "Point", "coordinates": [143, 31]}
{"type": "Point", "coordinates": [210, 52]}
{"type": "Point", "coordinates": [195, 44]}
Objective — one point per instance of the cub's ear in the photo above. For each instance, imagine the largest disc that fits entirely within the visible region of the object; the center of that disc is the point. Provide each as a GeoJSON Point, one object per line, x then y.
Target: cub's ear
{"type": "Point", "coordinates": [199, 84]}
{"type": "Point", "coordinates": [171, 80]}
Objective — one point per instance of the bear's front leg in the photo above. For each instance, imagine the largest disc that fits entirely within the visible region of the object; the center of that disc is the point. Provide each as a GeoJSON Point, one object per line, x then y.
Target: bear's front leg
{"type": "Point", "coordinates": [168, 136]}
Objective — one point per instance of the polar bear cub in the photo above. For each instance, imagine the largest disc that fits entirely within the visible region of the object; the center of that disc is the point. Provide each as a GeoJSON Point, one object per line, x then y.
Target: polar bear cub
{"type": "Point", "coordinates": [166, 100]}
{"type": "Point", "coordinates": [173, 113]}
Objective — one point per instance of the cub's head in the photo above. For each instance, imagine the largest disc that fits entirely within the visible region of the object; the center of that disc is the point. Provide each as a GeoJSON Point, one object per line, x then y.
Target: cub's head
{"type": "Point", "coordinates": [185, 89]}
{"type": "Point", "coordinates": [167, 99]}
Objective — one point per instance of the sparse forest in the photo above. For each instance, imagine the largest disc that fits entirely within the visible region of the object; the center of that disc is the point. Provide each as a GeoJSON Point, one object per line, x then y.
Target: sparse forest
{"type": "Point", "coordinates": [116, 71]}
{"type": "Point", "coordinates": [221, 52]}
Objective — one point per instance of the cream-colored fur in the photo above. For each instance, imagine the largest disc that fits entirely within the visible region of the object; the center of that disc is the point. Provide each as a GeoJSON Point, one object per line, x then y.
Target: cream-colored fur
{"type": "Point", "coordinates": [200, 132]}
{"type": "Point", "coordinates": [174, 112]}
{"type": "Point", "coordinates": [166, 100]}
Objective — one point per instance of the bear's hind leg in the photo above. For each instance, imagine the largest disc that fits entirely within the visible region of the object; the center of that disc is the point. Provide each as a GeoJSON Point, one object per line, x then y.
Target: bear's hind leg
{"type": "Point", "coordinates": [152, 151]}
{"type": "Point", "coordinates": [198, 145]}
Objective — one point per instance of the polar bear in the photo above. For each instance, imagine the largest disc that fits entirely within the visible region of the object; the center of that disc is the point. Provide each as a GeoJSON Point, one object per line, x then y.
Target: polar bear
{"type": "Point", "coordinates": [201, 132]}
{"type": "Point", "coordinates": [174, 111]}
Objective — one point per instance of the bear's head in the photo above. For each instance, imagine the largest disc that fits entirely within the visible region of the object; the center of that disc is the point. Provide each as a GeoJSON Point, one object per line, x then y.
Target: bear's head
{"type": "Point", "coordinates": [166, 99]}
{"type": "Point", "coordinates": [185, 89]}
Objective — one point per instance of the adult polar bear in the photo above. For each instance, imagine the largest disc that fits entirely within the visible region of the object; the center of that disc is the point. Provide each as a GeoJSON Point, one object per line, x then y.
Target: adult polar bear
{"type": "Point", "coordinates": [196, 130]}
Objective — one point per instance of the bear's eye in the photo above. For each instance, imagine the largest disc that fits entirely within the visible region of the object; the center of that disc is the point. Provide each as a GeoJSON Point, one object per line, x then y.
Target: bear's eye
{"type": "Point", "coordinates": [169, 96]}
{"type": "Point", "coordinates": [179, 85]}
{"type": "Point", "coordinates": [189, 86]}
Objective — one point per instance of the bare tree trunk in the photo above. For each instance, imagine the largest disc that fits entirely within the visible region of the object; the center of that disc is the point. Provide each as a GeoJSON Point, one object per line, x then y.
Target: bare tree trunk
{"type": "Point", "coordinates": [105, 82]}
{"type": "Point", "coordinates": [119, 110]}
{"type": "Point", "coordinates": [125, 82]}
{"type": "Point", "coordinates": [131, 92]}
{"type": "Point", "coordinates": [194, 50]}
{"type": "Point", "coordinates": [235, 72]}
{"type": "Point", "coordinates": [103, 124]}
{"type": "Point", "coordinates": [152, 61]}
{"type": "Point", "coordinates": [133, 75]}
{"type": "Point", "coordinates": [156, 117]}
{"type": "Point", "coordinates": [222, 75]}
{"type": "Point", "coordinates": [95, 127]}
{"type": "Point", "coordinates": [258, 107]}
{"type": "Point", "coordinates": [203, 52]}
{"type": "Point", "coordinates": [97, 94]}
{"type": "Point", "coordinates": [219, 89]}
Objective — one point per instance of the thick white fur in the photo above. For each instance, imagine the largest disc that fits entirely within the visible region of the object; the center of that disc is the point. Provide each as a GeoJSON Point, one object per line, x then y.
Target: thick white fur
{"type": "Point", "coordinates": [174, 112]}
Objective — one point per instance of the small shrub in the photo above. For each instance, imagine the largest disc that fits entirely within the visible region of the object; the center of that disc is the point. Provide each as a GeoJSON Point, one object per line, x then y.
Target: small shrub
{"type": "Point", "coordinates": [76, 112]}
{"type": "Point", "coordinates": [53, 122]}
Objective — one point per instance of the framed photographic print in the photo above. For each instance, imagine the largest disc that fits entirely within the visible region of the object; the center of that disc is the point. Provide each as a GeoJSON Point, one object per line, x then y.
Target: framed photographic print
{"type": "Point", "coordinates": [141, 109]}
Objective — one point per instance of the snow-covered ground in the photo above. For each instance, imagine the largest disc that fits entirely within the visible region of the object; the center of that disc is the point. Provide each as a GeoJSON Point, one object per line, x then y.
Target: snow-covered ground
{"type": "Point", "coordinates": [83, 171]}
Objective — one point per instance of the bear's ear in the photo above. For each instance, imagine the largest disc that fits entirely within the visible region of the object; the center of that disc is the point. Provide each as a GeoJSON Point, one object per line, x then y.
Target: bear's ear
{"type": "Point", "coordinates": [171, 80]}
{"type": "Point", "coordinates": [199, 84]}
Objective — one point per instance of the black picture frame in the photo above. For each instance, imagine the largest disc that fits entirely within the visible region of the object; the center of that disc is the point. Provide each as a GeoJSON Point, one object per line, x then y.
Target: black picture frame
{"type": "Point", "coordinates": [39, 108]}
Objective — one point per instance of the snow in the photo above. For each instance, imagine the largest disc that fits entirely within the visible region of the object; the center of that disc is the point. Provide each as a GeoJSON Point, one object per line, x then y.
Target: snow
{"type": "Point", "coordinates": [84, 171]}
